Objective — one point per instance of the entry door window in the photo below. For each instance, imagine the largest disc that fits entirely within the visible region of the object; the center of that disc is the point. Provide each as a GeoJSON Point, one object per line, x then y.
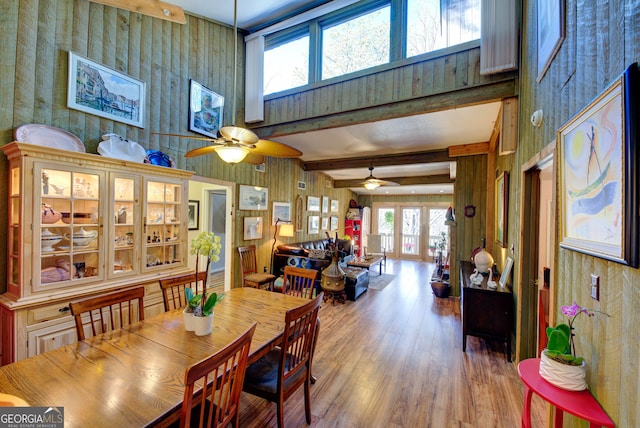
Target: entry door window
{"type": "Point", "coordinates": [386, 226]}
{"type": "Point", "coordinates": [437, 218]}
{"type": "Point", "coordinates": [410, 231]}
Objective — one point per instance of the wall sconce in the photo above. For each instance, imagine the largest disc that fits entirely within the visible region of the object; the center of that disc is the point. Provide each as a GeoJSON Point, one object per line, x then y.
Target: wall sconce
{"type": "Point", "coordinates": [536, 118]}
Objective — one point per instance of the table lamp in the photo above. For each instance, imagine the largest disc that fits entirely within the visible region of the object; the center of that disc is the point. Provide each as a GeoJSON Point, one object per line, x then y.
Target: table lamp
{"type": "Point", "coordinates": [284, 231]}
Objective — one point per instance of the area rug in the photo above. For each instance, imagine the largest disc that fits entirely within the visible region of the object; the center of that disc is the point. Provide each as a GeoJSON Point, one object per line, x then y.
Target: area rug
{"type": "Point", "coordinates": [378, 282]}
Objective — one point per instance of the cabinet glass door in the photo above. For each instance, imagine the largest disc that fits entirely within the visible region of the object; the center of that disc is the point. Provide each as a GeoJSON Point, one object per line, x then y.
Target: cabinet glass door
{"type": "Point", "coordinates": [125, 234]}
{"type": "Point", "coordinates": [15, 231]}
{"type": "Point", "coordinates": [68, 238]}
{"type": "Point", "coordinates": [163, 226]}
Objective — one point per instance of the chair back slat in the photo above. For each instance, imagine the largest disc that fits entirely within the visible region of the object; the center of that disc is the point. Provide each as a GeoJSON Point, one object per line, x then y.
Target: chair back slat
{"type": "Point", "coordinates": [248, 260]}
{"type": "Point", "coordinates": [221, 376]}
{"type": "Point", "coordinates": [299, 332]}
{"type": "Point", "coordinates": [299, 282]}
{"type": "Point", "coordinates": [108, 311]}
{"type": "Point", "coordinates": [173, 289]}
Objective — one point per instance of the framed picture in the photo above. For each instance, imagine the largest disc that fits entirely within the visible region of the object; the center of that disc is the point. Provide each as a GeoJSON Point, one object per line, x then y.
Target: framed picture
{"type": "Point", "coordinates": [102, 91]}
{"type": "Point", "coordinates": [314, 224]}
{"type": "Point", "coordinates": [550, 32]}
{"type": "Point", "coordinates": [252, 228]}
{"type": "Point", "coordinates": [502, 204]}
{"type": "Point", "coordinates": [334, 205]}
{"type": "Point", "coordinates": [299, 220]}
{"type": "Point", "coordinates": [205, 110]}
{"type": "Point", "coordinates": [598, 165]}
{"type": "Point", "coordinates": [302, 185]}
{"type": "Point", "coordinates": [325, 204]}
{"type": "Point", "coordinates": [193, 215]}
{"type": "Point", "coordinates": [325, 223]}
{"type": "Point", "coordinates": [281, 211]}
{"type": "Point", "coordinates": [334, 222]}
{"type": "Point", "coordinates": [506, 273]}
{"type": "Point", "coordinates": [253, 198]}
{"type": "Point", "coordinates": [313, 203]}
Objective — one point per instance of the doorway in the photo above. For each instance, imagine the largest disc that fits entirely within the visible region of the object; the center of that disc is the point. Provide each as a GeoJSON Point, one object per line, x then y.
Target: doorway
{"type": "Point", "coordinates": [536, 267]}
{"type": "Point", "coordinates": [215, 197]}
{"type": "Point", "coordinates": [408, 230]}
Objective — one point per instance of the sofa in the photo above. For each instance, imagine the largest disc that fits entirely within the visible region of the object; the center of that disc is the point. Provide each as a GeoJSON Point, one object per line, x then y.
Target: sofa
{"type": "Point", "coordinates": [312, 255]}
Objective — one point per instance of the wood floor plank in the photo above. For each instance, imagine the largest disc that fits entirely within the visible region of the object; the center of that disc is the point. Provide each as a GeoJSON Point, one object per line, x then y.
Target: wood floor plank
{"type": "Point", "coordinates": [394, 358]}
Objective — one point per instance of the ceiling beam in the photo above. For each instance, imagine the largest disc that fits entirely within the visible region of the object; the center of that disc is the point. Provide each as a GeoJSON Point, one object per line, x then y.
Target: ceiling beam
{"type": "Point", "coordinates": [383, 160]}
{"type": "Point", "coordinates": [403, 181]}
{"type": "Point", "coordinates": [469, 149]}
{"type": "Point", "coordinates": [153, 8]}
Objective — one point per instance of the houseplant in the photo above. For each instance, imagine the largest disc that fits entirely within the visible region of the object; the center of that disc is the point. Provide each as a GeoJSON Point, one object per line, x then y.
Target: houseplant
{"type": "Point", "coordinates": [559, 364]}
{"type": "Point", "coordinates": [199, 311]}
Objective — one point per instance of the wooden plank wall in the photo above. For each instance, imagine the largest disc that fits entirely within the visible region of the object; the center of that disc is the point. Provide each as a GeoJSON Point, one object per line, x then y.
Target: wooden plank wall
{"type": "Point", "coordinates": [602, 39]}
{"type": "Point", "coordinates": [36, 38]}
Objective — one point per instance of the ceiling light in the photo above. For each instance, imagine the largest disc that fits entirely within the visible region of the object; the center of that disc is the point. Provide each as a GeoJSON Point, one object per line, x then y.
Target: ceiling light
{"type": "Point", "coordinates": [232, 153]}
{"type": "Point", "coordinates": [371, 184]}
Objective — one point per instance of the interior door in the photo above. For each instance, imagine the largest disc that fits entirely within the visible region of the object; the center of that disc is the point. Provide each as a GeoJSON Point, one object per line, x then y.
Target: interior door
{"type": "Point", "coordinates": [410, 236]}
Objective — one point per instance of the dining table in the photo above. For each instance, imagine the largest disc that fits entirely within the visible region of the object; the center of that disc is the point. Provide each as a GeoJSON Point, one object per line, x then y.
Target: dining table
{"type": "Point", "coordinates": [133, 376]}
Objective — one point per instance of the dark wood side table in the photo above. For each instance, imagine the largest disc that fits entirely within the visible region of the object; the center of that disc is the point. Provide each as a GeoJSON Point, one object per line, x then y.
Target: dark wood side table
{"type": "Point", "coordinates": [485, 312]}
{"type": "Point", "coordinates": [578, 403]}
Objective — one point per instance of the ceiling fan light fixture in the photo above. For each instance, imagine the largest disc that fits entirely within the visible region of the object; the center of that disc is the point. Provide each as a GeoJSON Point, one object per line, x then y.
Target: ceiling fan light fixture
{"type": "Point", "coordinates": [371, 185]}
{"type": "Point", "coordinates": [232, 153]}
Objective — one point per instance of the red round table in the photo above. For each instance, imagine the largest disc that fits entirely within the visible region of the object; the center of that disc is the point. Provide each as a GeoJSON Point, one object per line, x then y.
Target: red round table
{"type": "Point", "coordinates": [578, 403]}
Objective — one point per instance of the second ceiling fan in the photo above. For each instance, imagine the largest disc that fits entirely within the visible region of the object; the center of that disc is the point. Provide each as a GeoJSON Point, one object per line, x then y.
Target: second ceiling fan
{"type": "Point", "coordinates": [372, 183]}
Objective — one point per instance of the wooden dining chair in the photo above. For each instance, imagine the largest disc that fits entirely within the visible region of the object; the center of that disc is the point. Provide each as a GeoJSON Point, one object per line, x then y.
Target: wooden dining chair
{"type": "Point", "coordinates": [108, 311]}
{"type": "Point", "coordinates": [221, 375]}
{"type": "Point", "coordinates": [277, 375]}
{"type": "Point", "coordinates": [299, 281]}
{"type": "Point", "coordinates": [249, 268]}
{"type": "Point", "coordinates": [173, 289]}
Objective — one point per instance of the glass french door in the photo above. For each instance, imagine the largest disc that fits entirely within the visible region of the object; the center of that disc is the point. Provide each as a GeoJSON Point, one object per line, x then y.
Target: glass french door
{"type": "Point", "coordinates": [386, 229]}
{"type": "Point", "coordinates": [410, 245]}
{"type": "Point", "coordinates": [437, 228]}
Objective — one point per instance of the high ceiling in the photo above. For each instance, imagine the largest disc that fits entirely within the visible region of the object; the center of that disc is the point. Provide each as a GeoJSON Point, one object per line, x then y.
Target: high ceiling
{"type": "Point", "coordinates": [415, 133]}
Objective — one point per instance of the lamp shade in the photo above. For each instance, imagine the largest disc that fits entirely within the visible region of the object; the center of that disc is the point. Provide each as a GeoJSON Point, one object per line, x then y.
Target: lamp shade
{"type": "Point", "coordinates": [231, 153]}
{"type": "Point", "coordinates": [286, 230]}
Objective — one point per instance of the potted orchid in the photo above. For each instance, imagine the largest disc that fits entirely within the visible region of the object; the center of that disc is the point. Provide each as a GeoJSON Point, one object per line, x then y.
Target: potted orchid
{"type": "Point", "coordinates": [559, 364]}
{"type": "Point", "coordinates": [199, 310]}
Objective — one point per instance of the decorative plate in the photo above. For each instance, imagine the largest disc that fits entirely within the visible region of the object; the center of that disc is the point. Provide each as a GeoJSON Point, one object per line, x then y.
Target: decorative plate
{"type": "Point", "coordinates": [156, 157]}
{"type": "Point", "coordinates": [469, 211]}
{"type": "Point", "coordinates": [48, 136]}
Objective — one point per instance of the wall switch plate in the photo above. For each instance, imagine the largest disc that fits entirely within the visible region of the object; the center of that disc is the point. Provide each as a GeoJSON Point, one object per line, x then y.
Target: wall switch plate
{"type": "Point", "coordinates": [595, 287]}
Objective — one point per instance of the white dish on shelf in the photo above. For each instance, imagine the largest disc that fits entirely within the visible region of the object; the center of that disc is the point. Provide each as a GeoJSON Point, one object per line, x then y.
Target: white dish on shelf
{"type": "Point", "coordinates": [48, 136]}
{"type": "Point", "coordinates": [114, 146]}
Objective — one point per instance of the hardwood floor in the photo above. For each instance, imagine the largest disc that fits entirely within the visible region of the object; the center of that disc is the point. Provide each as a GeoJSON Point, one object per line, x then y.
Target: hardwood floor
{"type": "Point", "coordinates": [394, 358]}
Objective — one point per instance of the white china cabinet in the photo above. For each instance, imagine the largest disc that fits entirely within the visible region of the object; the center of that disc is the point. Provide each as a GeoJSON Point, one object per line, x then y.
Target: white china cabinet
{"type": "Point", "coordinates": [82, 224]}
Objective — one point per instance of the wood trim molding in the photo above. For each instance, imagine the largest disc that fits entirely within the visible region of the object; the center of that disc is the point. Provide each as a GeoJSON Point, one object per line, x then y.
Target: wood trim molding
{"type": "Point", "coordinates": [469, 149]}
{"type": "Point", "coordinates": [153, 8]}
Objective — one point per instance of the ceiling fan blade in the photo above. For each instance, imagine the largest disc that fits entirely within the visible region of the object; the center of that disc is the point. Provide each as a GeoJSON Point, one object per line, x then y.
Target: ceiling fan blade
{"type": "Point", "coordinates": [200, 151]}
{"type": "Point", "coordinates": [275, 149]}
{"type": "Point", "coordinates": [237, 134]}
{"type": "Point", "coordinates": [253, 158]}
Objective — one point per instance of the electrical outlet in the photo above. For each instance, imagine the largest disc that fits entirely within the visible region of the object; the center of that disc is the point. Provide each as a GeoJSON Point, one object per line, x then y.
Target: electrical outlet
{"type": "Point", "coordinates": [595, 287]}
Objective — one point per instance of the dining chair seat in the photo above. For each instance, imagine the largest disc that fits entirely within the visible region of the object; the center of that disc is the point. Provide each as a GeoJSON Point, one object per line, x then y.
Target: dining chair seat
{"type": "Point", "coordinates": [249, 269]}
{"type": "Point", "coordinates": [263, 374]}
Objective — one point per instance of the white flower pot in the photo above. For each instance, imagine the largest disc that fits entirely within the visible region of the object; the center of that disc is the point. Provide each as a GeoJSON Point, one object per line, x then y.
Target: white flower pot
{"type": "Point", "coordinates": [189, 323]}
{"type": "Point", "coordinates": [203, 325]}
{"type": "Point", "coordinates": [571, 378]}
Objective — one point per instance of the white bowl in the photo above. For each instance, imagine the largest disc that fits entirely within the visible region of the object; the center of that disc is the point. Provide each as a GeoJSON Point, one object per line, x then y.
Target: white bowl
{"type": "Point", "coordinates": [48, 240]}
{"type": "Point", "coordinates": [81, 238]}
{"type": "Point", "coordinates": [117, 147]}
